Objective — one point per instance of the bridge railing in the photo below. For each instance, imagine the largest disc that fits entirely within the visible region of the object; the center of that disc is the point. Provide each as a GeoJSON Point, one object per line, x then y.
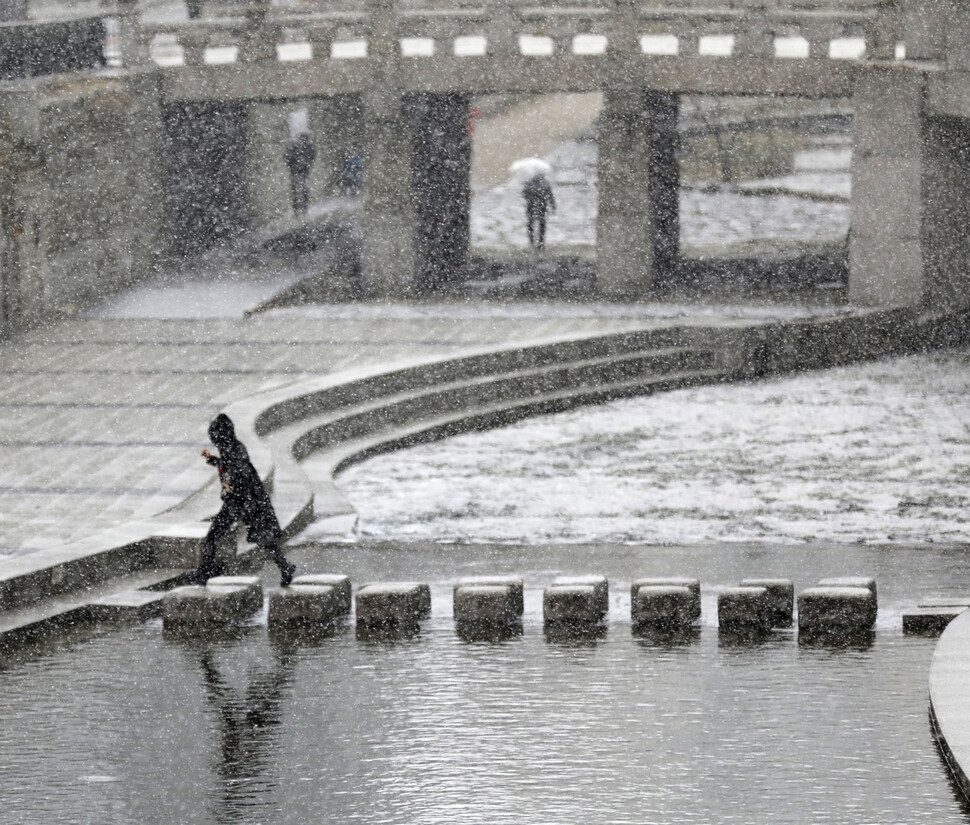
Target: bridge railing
{"type": "Point", "coordinates": [261, 31]}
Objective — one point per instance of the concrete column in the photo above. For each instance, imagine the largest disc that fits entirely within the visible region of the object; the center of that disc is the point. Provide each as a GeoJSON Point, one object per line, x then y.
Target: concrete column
{"type": "Point", "coordinates": [389, 224]}
{"type": "Point", "coordinates": [886, 265]}
{"type": "Point", "coordinates": [442, 164]}
{"type": "Point", "coordinates": [204, 187]}
{"type": "Point", "coordinates": [266, 176]}
{"type": "Point", "coordinates": [910, 196]}
{"type": "Point", "coordinates": [638, 223]}
{"type": "Point", "coordinates": [664, 182]}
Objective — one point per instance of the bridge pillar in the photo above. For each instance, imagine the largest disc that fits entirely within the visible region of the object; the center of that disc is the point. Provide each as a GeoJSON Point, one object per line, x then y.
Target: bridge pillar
{"type": "Point", "coordinates": [388, 257]}
{"type": "Point", "coordinates": [910, 196]}
{"type": "Point", "coordinates": [638, 225]}
{"type": "Point", "coordinates": [442, 166]}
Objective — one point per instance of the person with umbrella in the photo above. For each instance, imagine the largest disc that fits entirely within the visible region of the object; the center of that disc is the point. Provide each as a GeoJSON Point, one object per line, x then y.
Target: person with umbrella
{"type": "Point", "coordinates": [244, 498]}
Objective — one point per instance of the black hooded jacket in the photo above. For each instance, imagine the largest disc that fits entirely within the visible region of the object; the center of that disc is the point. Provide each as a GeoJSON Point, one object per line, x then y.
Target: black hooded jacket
{"type": "Point", "coordinates": [242, 491]}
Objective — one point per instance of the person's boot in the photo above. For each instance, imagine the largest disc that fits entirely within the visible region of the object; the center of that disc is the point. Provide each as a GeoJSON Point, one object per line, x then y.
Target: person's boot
{"type": "Point", "coordinates": [286, 574]}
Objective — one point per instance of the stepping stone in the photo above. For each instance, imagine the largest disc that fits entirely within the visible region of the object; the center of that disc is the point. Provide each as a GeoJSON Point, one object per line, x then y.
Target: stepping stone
{"type": "Point", "coordinates": [306, 605]}
{"type": "Point", "coordinates": [580, 599]}
{"type": "Point", "coordinates": [743, 608]}
{"type": "Point", "coordinates": [201, 606]}
{"type": "Point", "coordinates": [518, 591]}
{"type": "Point", "coordinates": [944, 601]}
{"type": "Point", "coordinates": [656, 605]}
{"type": "Point", "coordinates": [851, 581]}
{"type": "Point", "coordinates": [252, 599]}
{"type": "Point", "coordinates": [487, 603]}
{"type": "Point", "coordinates": [599, 583]}
{"type": "Point", "coordinates": [927, 620]}
{"type": "Point", "coordinates": [830, 609]}
{"type": "Point", "coordinates": [781, 599]}
{"type": "Point", "coordinates": [694, 585]}
{"type": "Point", "coordinates": [392, 603]}
{"type": "Point", "coordinates": [340, 583]}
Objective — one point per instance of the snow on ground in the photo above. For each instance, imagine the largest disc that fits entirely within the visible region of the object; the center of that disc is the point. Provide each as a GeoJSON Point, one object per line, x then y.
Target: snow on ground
{"type": "Point", "coordinates": [709, 216]}
{"type": "Point", "coordinates": [870, 453]}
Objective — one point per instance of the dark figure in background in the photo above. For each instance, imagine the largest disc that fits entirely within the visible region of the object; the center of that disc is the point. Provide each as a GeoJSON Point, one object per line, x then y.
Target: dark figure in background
{"type": "Point", "coordinates": [539, 201]}
{"type": "Point", "coordinates": [244, 498]}
{"type": "Point", "coordinates": [299, 158]}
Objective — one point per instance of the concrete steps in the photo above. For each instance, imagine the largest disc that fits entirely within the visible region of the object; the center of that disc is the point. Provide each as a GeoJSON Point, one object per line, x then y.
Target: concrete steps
{"type": "Point", "coordinates": [331, 429]}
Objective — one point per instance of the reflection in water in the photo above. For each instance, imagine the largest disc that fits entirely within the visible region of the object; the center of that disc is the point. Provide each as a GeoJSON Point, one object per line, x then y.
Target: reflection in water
{"type": "Point", "coordinates": [666, 638]}
{"type": "Point", "coordinates": [487, 631]}
{"type": "Point", "coordinates": [859, 641]}
{"type": "Point", "coordinates": [388, 633]}
{"type": "Point", "coordinates": [743, 637]}
{"type": "Point", "coordinates": [575, 634]}
{"type": "Point", "coordinates": [249, 718]}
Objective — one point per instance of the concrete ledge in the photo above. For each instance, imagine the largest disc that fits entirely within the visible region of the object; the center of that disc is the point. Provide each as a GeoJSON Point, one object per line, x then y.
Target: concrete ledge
{"type": "Point", "coordinates": [308, 605]}
{"type": "Point", "coordinates": [743, 608]}
{"type": "Point", "coordinates": [825, 609]}
{"type": "Point", "coordinates": [781, 599]}
{"type": "Point", "coordinates": [486, 604]}
{"type": "Point", "coordinates": [925, 621]}
{"type": "Point", "coordinates": [662, 606]}
{"type": "Point", "coordinates": [515, 585]}
{"type": "Point", "coordinates": [340, 584]}
{"type": "Point", "coordinates": [398, 603]}
{"type": "Point", "coordinates": [197, 607]}
{"type": "Point", "coordinates": [949, 709]}
{"type": "Point", "coordinates": [693, 585]}
{"type": "Point", "coordinates": [129, 606]}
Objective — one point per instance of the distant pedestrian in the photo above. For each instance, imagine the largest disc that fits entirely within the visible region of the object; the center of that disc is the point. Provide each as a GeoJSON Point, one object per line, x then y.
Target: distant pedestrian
{"type": "Point", "coordinates": [299, 158]}
{"type": "Point", "coordinates": [539, 202]}
{"type": "Point", "coordinates": [352, 176]}
{"type": "Point", "coordinates": [244, 499]}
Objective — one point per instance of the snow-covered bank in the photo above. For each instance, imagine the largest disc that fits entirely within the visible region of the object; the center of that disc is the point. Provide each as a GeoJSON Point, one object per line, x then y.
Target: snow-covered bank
{"type": "Point", "coordinates": [869, 453]}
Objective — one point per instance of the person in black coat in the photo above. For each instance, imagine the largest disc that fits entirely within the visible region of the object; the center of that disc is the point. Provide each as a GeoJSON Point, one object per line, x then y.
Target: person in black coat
{"type": "Point", "coordinates": [244, 498]}
{"type": "Point", "coordinates": [299, 157]}
{"type": "Point", "coordinates": [539, 201]}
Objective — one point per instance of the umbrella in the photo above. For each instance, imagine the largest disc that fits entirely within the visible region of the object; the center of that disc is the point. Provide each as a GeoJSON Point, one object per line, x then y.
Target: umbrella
{"type": "Point", "coordinates": [530, 167]}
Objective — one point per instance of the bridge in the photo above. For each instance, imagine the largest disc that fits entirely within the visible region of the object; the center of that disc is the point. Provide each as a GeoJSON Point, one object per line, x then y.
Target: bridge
{"type": "Point", "coordinates": [412, 70]}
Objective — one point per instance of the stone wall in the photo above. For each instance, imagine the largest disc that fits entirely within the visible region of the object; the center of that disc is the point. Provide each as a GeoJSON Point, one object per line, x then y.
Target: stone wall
{"type": "Point", "coordinates": [80, 206]}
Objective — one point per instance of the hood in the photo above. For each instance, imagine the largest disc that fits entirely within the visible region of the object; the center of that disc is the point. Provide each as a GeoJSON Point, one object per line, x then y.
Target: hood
{"type": "Point", "coordinates": [222, 433]}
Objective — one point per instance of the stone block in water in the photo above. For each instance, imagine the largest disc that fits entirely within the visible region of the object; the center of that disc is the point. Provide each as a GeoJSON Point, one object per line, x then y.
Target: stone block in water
{"type": "Point", "coordinates": [929, 620]}
{"type": "Point", "coordinates": [743, 608]}
{"type": "Point", "coordinates": [694, 585]}
{"type": "Point", "coordinates": [392, 603]}
{"type": "Point", "coordinates": [337, 581]}
{"type": "Point", "coordinates": [486, 604]}
{"type": "Point", "coordinates": [662, 606]}
{"type": "Point", "coordinates": [600, 585]}
{"type": "Point", "coordinates": [252, 596]}
{"type": "Point", "coordinates": [201, 606]}
{"type": "Point", "coordinates": [307, 605]}
{"type": "Point", "coordinates": [830, 609]}
{"type": "Point", "coordinates": [130, 605]}
{"type": "Point", "coordinates": [515, 584]}
{"type": "Point", "coordinates": [851, 581]}
{"type": "Point", "coordinates": [781, 599]}
{"type": "Point", "coordinates": [574, 603]}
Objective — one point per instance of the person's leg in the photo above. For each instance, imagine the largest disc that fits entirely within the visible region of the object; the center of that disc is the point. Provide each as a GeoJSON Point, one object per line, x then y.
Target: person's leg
{"type": "Point", "coordinates": [286, 569]}
{"type": "Point", "coordinates": [209, 566]}
{"type": "Point", "coordinates": [542, 231]}
{"type": "Point", "coordinates": [529, 219]}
